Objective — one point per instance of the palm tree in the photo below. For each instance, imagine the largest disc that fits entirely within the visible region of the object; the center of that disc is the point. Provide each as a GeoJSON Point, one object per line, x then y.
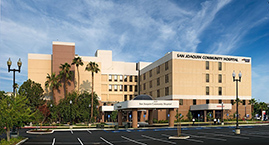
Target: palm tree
{"type": "Point", "coordinates": [78, 62]}
{"type": "Point", "coordinates": [66, 75]}
{"type": "Point", "coordinates": [252, 102]}
{"type": "Point", "coordinates": [93, 67]}
{"type": "Point", "coordinates": [53, 82]}
{"type": "Point", "coordinates": [262, 107]}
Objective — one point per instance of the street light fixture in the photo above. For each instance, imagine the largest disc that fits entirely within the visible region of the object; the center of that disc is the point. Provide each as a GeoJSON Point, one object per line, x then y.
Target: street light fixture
{"type": "Point", "coordinates": [222, 122]}
{"type": "Point", "coordinates": [237, 129]}
{"type": "Point", "coordinates": [70, 112]}
{"type": "Point", "coordinates": [9, 63]}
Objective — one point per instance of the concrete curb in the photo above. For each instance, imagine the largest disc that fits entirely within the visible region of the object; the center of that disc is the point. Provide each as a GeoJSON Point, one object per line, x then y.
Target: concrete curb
{"type": "Point", "coordinates": [29, 132]}
{"type": "Point", "coordinates": [22, 141]}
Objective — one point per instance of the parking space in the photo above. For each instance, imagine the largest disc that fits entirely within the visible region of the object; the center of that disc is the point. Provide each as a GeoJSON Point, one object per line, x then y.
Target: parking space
{"type": "Point", "coordinates": [198, 135]}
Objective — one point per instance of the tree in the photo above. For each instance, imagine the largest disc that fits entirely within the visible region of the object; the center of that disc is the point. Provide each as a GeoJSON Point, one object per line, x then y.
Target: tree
{"type": "Point", "coordinates": [114, 115]}
{"type": "Point", "coordinates": [78, 62]}
{"type": "Point", "coordinates": [92, 67]}
{"type": "Point", "coordinates": [53, 82]}
{"type": "Point", "coordinates": [252, 102]}
{"type": "Point", "coordinates": [14, 112]}
{"type": "Point", "coordinates": [189, 115]}
{"type": "Point", "coordinates": [66, 75]}
{"type": "Point", "coordinates": [179, 116]}
{"type": "Point", "coordinates": [34, 93]}
{"type": "Point", "coordinates": [262, 107]}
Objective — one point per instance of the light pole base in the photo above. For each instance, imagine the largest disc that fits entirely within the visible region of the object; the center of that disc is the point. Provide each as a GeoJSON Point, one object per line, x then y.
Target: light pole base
{"type": "Point", "coordinates": [222, 123]}
{"type": "Point", "coordinates": [237, 131]}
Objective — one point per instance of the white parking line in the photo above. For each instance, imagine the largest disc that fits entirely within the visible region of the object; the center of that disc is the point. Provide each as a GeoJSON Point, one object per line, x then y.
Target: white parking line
{"type": "Point", "coordinates": [106, 141]}
{"type": "Point", "coordinates": [80, 141]}
{"type": "Point", "coordinates": [254, 135]}
{"type": "Point", "coordinates": [200, 141]}
{"type": "Point", "coordinates": [128, 130]}
{"type": "Point", "coordinates": [158, 139]}
{"type": "Point", "coordinates": [205, 137]}
{"type": "Point", "coordinates": [224, 135]}
{"type": "Point", "coordinates": [133, 140]}
{"type": "Point", "coordinates": [89, 132]}
{"type": "Point", "coordinates": [53, 141]}
{"type": "Point", "coordinates": [71, 131]}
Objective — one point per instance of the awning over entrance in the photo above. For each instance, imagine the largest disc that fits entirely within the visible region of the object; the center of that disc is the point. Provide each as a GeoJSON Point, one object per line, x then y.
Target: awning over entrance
{"type": "Point", "coordinates": [107, 108]}
{"type": "Point", "coordinates": [146, 102]}
{"type": "Point", "coordinates": [210, 107]}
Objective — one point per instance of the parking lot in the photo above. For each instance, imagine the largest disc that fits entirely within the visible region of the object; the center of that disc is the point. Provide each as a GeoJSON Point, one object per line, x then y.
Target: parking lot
{"type": "Point", "coordinates": [199, 135]}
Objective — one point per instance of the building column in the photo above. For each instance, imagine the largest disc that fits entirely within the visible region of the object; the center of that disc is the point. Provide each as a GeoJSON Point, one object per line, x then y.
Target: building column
{"type": "Point", "coordinates": [134, 116]}
{"type": "Point", "coordinates": [103, 117]}
{"type": "Point", "coordinates": [171, 117]}
{"type": "Point", "coordinates": [119, 117]}
{"type": "Point", "coordinates": [205, 118]}
{"type": "Point", "coordinates": [142, 119]}
{"type": "Point", "coordinates": [150, 117]}
{"type": "Point", "coordinates": [214, 114]}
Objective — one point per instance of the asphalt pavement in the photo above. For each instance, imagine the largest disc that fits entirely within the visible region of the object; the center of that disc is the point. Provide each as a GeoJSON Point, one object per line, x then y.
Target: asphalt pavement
{"type": "Point", "coordinates": [250, 135]}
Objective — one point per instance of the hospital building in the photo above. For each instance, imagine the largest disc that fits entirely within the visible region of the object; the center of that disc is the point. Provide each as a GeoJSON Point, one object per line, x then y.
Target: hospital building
{"type": "Point", "coordinates": [200, 83]}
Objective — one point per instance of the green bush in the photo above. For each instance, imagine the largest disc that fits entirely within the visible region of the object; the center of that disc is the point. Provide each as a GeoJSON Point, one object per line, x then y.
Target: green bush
{"type": "Point", "coordinates": [11, 142]}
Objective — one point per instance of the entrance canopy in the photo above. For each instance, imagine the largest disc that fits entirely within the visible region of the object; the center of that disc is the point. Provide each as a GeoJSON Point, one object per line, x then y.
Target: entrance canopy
{"type": "Point", "coordinates": [146, 104]}
{"type": "Point", "coordinates": [210, 107]}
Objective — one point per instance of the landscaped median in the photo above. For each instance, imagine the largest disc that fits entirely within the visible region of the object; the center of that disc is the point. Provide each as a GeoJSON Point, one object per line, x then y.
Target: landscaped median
{"type": "Point", "coordinates": [13, 141]}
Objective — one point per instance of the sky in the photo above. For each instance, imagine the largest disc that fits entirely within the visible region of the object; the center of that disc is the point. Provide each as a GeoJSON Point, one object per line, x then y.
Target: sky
{"type": "Point", "coordinates": [137, 30]}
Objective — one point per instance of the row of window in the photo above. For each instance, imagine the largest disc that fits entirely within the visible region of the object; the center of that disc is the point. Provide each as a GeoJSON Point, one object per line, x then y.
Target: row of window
{"type": "Point", "coordinates": [219, 78]}
{"type": "Point", "coordinates": [120, 88]}
{"type": "Point", "coordinates": [166, 92]}
{"type": "Point", "coordinates": [207, 65]}
{"type": "Point", "coordinates": [126, 97]}
{"type": "Point", "coordinates": [158, 70]}
{"type": "Point", "coordinates": [208, 101]}
{"type": "Point", "coordinates": [166, 80]}
{"type": "Point", "coordinates": [219, 91]}
{"type": "Point", "coordinates": [120, 78]}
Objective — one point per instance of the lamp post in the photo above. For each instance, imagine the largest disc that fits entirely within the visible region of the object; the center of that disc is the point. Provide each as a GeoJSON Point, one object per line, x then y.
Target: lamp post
{"type": "Point", "coordinates": [237, 129]}
{"type": "Point", "coordinates": [9, 63]}
{"type": "Point", "coordinates": [70, 112]}
{"type": "Point", "coordinates": [222, 122]}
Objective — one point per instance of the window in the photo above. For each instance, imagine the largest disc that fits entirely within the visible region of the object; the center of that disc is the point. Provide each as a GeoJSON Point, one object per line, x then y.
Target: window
{"type": "Point", "coordinates": [158, 93]}
{"type": "Point", "coordinates": [166, 91]}
{"type": "Point", "coordinates": [115, 87]}
{"type": "Point", "coordinates": [125, 78]}
{"type": "Point", "coordinates": [135, 78]}
{"type": "Point", "coordinates": [220, 78]}
{"type": "Point", "coordinates": [115, 78]}
{"type": "Point", "coordinates": [220, 66]}
{"type": "Point", "coordinates": [166, 65]}
{"type": "Point", "coordinates": [110, 78]}
{"type": "Point", "coordinates": [150, 93]}
{"type": "Point", "coordinates": [194, 101]}
{"type": "Point", "coordinates": [121, 77]}
{"type": "Point", "coordinates": [232, 102]}
{"type": "Point", "coordinates": [220, 101]}
{"type": "Point", "coordinates": [220, 90]}
{"type": "Point", "coordinates": [207, 101]}
{"type": "Point", "coordinates": [244, 102]}
{"type": "Point", "coordinates": [150, 84]}
{"type": "Point", "coordinates": [207, 65]}
{"type": "Point", "coordinates": [135, 88]}
{"type": "Point", "coordinates": [110, 88]}
{"type": "Point", "coordinates": [144, 86]}
{"type": "Point", "coordinates": [121, 87]}
{"type": "Point", "coordinates": [158, 81]}
{"type": "Point", "coordinates": [158, 70]}
{"type": "Point", "coordinates": [125, 97]}
{"type": "Point", "coordinates": [180, 101]}
{"type": "Point", "coordinates": [130, 88]}
{"type": "Point", "coordinates": [131, 78]}
{"type": "Point", "coordinates": [144, 76]}
{"type": "Point", "coordinates": [207, 78]}
{"type": "Point", "coordinates": [207, 90]}
{"type": "Point", "coordinates": [166, 78]}
{"type": "Point", "coordinates": [150, 73]}
{"type": "Point", "coordinates": [125, 88]}
{"type": "Point", "coordinates": [130, 97]}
